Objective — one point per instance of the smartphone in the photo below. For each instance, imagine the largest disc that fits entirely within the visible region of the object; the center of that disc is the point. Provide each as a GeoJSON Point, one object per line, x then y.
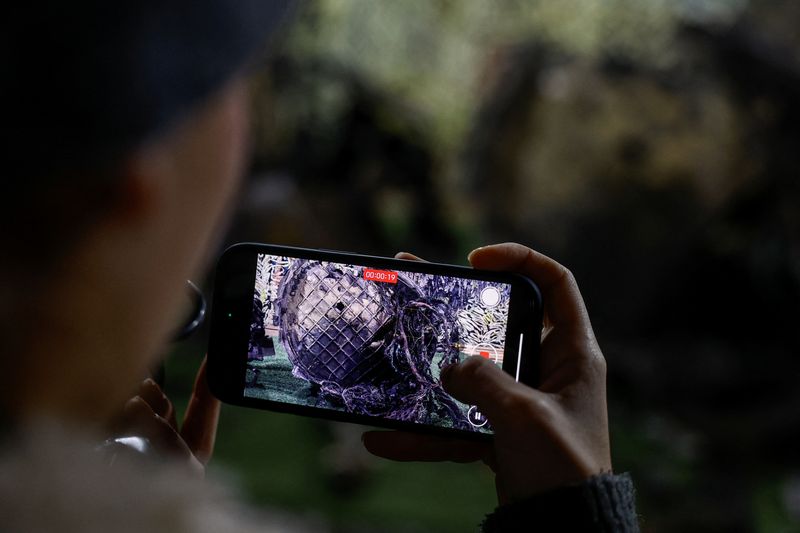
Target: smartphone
{"type": "Point", "coordinates": [363, 339]}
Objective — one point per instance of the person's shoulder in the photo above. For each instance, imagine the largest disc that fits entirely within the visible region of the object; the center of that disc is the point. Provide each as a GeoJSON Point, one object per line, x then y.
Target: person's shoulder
{"type": "Point", "coordinates": [54, 479]}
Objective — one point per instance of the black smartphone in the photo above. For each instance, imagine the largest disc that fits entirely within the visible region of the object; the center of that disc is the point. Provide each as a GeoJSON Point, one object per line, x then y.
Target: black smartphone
{"type": "Point", "coordinates": [363, 339]}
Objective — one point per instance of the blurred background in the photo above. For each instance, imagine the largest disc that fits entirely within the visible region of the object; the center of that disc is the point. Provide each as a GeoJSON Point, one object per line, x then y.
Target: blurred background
{"type": "Point", "coordinates": [651, 146]}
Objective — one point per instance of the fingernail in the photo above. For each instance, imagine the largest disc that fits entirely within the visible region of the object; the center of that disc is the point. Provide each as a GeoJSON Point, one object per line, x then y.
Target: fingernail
{"type": "Point", "coordinates": [473, 252]}
{"type": "Point", "coordinates": [134, 403]}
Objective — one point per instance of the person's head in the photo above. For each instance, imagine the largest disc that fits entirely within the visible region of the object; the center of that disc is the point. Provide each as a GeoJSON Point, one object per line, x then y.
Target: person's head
{"type": "Point", "coordinates": [127, 138]}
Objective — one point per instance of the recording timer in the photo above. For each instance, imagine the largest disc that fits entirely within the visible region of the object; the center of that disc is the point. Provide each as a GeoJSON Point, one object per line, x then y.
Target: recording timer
{"type": "Point", "coordinates": [383, 276]}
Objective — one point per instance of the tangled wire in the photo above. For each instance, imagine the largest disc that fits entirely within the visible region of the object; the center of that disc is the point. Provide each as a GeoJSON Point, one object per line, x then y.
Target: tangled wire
{"type": "Point", "coordinates": [410, 393]}
{"type": "Point", "coordinates": [424, 324]}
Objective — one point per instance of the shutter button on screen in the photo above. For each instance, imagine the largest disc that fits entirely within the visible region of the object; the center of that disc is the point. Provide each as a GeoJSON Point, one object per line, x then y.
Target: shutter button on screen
{"type": "Point", "coordinates": [475, 417]}
{"type": "Point", "coordinates": [490, 297]}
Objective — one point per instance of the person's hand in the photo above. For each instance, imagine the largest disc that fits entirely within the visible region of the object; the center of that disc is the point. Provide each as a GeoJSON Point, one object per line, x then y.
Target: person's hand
{"type": "Point", "coordinates": [150, 416]}
{"type": "Point", "coordinates": [547, 437]}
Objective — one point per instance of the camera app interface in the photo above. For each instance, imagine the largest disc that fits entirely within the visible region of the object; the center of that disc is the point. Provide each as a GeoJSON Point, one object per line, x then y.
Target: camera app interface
{"type": "Point", "coordinates": [370, 341]}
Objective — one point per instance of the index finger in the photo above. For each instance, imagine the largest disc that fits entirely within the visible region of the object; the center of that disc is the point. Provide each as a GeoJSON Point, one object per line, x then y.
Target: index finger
{"type": "Point", "coordinates": [199, 428]}
{"type": "Point", "coordinates": [563, 303]}
{"type": "Point", "coordinates": [408, 256]}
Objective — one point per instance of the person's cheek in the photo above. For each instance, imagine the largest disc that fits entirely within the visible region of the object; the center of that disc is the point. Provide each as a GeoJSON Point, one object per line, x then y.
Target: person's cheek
{"type": "Point", "coordinates": [233, 149]}
{"type": "Point", "coordinates": [237, 142]}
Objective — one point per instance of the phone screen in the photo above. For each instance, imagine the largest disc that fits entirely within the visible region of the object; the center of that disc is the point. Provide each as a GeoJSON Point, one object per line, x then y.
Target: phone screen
{"type": "Point", "coordinates": [369, 341]}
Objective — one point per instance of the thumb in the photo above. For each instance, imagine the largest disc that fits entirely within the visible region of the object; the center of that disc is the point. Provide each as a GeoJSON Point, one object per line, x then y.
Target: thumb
{"type": "Point", "coordinates": [199, 428]}
{"type": "Point", "coordinates": [476, 381]}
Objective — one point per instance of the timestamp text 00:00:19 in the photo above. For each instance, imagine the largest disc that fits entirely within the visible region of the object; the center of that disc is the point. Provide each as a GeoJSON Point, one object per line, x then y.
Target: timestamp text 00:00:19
{"type": "Point", "coordinates": [384, 276]}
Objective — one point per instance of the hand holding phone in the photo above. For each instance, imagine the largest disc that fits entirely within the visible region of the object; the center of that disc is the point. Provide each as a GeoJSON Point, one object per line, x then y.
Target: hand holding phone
{"type": "Point", "coordinates": [365, 339]}
{"type": "Point", "coordinates": [547, 437]}
{"type": "Point", "coordinates": [148, 426]}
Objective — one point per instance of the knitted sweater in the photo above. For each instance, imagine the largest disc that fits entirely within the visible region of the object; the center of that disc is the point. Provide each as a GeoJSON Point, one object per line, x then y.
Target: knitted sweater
{"type": "Point", "coordinates": [604, 503]}
{"type": "Point", "coordinates": [54, 480]}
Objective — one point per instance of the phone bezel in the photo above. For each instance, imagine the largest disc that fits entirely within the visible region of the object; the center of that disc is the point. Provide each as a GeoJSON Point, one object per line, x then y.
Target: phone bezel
{"type": "Point", "coordinates": [231, 315]}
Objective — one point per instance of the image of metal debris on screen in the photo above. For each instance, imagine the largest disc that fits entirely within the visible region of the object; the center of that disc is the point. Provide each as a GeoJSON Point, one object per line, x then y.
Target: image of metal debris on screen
{"type": "Point", "coordinates": [369, 341]}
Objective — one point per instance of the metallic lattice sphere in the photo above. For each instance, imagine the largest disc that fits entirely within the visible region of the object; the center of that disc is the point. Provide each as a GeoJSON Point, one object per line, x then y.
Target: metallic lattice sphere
{"type": "Point", "coordinates": [334, 324]}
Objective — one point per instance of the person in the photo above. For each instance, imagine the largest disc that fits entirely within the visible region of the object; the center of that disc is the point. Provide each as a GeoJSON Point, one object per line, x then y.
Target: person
{"type": "Point", "coordinates": [128, 138]}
